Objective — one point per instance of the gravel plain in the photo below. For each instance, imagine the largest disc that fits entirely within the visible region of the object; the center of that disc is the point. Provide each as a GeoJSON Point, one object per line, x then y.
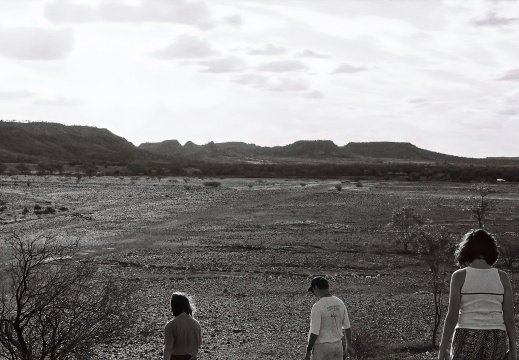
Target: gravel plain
{"type": "Point", "coordinates": [247, 249]}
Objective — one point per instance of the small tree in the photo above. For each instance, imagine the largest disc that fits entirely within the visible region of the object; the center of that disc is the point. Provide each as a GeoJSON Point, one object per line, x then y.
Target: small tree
{"type": "Point", "coordinates": [405, 221]}
{"type": "Point", "coordinates": [480, 205]}
{"type": "Point", "coordinates": [509, 248]}
{"type": "Point", "coordinates": [436, 247]}
{"type": "Point", "coordinates": [53, 307]}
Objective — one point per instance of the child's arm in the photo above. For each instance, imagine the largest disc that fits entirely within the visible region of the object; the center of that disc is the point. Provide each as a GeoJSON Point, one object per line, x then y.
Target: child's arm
{"type": "Point", "coordinates": [457, 281]}
{"type": "Point", "coordinates": [508, 315]}
{"type": "Point", "coordinates": [168, 342]}
{"type": "Point", "coordinates": [347, 342]}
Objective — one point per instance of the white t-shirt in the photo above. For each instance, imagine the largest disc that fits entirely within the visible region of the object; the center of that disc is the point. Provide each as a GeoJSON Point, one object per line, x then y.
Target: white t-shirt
{"type": "Point", "coordinates": [328, 319]}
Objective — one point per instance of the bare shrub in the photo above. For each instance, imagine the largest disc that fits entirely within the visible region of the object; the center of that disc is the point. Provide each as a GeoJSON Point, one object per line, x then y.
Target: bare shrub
{"type": "Point", "coordinates": [509, 249]}
{"type": "Point", "coordinates": [212, 183]}
{"type": "Point", "coordinates": [405, 221]}
{"type": "Point", "coordinates": [366, 345]}
{"type": "Point", "coordinates": [49, 210]}
{"type": "Point", "coordinates": [53, 307]}
{"type": "Point", "coordinates": [436, 247]}
{"type": "Point", "coordinates": [480, 206]}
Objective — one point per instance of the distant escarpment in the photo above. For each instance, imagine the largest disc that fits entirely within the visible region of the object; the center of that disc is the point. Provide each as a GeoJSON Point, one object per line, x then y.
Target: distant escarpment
{"type": "Point", "coordinates": [57, 142]}
{"type": "Point", "coordinates": [314, 151]}
{"type": "Point", "coordinates": [50, 148]}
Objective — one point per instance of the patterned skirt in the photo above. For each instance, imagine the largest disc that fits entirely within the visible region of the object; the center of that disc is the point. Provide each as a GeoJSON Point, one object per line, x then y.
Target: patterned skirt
{"type": "Point", "coordinates": [472, 344]}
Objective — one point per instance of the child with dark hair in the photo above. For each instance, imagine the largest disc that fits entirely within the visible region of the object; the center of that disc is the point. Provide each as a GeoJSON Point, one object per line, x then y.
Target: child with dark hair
{"type": "Point", "coordinates": [182, 335]}
{"type": "Point", "coordinates": [481, 310]}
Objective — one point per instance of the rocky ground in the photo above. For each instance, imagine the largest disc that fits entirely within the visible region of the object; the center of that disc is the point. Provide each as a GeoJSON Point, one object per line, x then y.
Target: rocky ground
{"type": "Point", "coordinates": [247, 249]}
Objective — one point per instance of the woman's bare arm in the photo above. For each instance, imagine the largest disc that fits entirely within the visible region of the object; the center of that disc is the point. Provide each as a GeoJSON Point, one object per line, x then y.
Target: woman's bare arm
{"type": "Point", "coordinates": [508, 314]}
{"type": "Point", "coordinates": [457, 281]}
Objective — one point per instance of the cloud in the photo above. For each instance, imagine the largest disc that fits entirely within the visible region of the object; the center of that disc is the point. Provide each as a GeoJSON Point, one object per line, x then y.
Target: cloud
{"type": "Point", "coordinates": [283, 66]}
{"type": "Point", "coordinates": [512, 75]}
{"type": "Point", "coordinates": [185, 47]}
{"type": "Point", "coordinates": [314, 95]}
{"type": "Point", "coordinates": [15, 94]}
{"type": "Point", "coordinates": [289, 85]}
{"type": "Point", "coordinates": [269, 49]}
{"type": "Point", "coordinates": [419, 101]}
{"type": "Point", "coordinates": [30, 43]}
{"type": "Point", "coordinates": [493, 20]}
{"type": "Point", "coordinates": [349, 69]}
{"type": "Point", "coordinates": [225, 65]}
{"type": "Point", "coordinates": [312, 54]}
{"type": "Point", "coordinates": [253, 80]}
{"type": "Point", "coordinates": [509, 112]}
{"type": "Point", "coordinates": [173, 11]}
{"type": "Point", "coordinates": [235, 20]}
{"type": "Point", "coordinates": [62, 12]}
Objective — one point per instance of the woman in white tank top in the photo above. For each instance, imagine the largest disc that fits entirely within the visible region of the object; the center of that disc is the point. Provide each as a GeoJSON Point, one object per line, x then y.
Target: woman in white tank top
{"type": "Point", "coordinates": [481, 311]}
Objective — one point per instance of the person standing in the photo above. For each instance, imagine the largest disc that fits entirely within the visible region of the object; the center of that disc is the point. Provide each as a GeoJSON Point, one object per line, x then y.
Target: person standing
{"type": "Point", "coordinates": [330, 332]}
{"type": "Point", "coordinates": [481, 310]}
{"type": "Point", "coordinates": [182, 335]}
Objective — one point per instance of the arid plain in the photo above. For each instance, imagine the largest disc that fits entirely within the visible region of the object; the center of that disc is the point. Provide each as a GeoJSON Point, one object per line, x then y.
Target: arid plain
{"type": "Point", "coordinates": [246, 250]}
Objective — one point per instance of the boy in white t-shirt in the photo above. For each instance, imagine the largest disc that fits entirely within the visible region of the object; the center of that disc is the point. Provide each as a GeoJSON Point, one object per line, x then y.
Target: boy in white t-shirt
{"type": "Point", "coordinates": [328, 324]}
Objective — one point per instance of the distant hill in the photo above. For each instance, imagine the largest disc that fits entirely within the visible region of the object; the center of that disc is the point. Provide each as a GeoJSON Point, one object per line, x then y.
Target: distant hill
{"type": "Point", "coordinates": [51, 141]}
{"type": "Point", "coordinates": [400, 151]}
{"type": "Point", "coordinates": [315, 151]}
{"type": "Point", "coordinates": [42, 141]}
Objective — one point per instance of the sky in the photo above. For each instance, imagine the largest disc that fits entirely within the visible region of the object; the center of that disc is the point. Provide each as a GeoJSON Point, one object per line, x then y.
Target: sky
{"type": "Point", "coordinates": [442, 75]}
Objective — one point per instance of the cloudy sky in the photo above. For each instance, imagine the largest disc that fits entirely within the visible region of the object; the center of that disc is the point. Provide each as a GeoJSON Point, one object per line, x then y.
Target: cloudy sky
{"type": "Point", "coordinates": [443, 75]}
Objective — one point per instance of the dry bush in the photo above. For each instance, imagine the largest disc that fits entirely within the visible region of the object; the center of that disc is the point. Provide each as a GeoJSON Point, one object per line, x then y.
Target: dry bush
{"type": "Point", "coordinates": [53, 307]}
{"type": "Point", "coordinates": [509, 249]}
{"type": "Point", "coordinates": [480, 206]}
{"type": "Point", "coordinates": [212, 183]}
{"type": "Point", "coordinates": [366, 345]}
{"type": "Point", "coordinates": [338, 186]}
{"type": "Point", "coordinates": [405, 222]}
{"type": "Point", "coordinates": [436, 247]}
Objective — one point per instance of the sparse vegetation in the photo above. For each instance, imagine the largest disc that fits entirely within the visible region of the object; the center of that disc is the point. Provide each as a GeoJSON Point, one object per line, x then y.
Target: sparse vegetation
{"type": "Point", "coordinates": [366, 345]}
{"type": "Point", "coordinates": [509, 248]}
{"type": "Point", "coordinates": [53, 307]}
{"type": "Point", "coordinates": [236, 249]}
{"type": "Point", "coordinates": [405, 221]}
{"type": "Point", "coordinates": [480, 205]}
{"type": "Point", "coordinates": [212, 183]}
{"type": "Point", "coordinates": [436, 248]}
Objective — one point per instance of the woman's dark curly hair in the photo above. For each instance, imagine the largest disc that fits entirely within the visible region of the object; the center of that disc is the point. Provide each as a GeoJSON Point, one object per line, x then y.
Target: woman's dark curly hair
{"type": "Point", "coordinates": [477, 244]}
{"type": "Point", "coordinates": [180, 303]}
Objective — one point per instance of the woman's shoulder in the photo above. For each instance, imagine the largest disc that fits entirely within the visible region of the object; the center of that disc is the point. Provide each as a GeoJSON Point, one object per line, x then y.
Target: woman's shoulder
{"type": "Point", "coordinates": [460, 272]}
{"type": "Point", "coordinates": [458, 277]}
{"type": "Point", "coordinates": [169, 324]}
{"type": "Point", "coordinates": [503, 276]}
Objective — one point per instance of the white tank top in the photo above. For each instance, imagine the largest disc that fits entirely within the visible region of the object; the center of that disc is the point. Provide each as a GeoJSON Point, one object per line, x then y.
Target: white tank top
{"type": "Point", "coordinates": [481, 304]}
